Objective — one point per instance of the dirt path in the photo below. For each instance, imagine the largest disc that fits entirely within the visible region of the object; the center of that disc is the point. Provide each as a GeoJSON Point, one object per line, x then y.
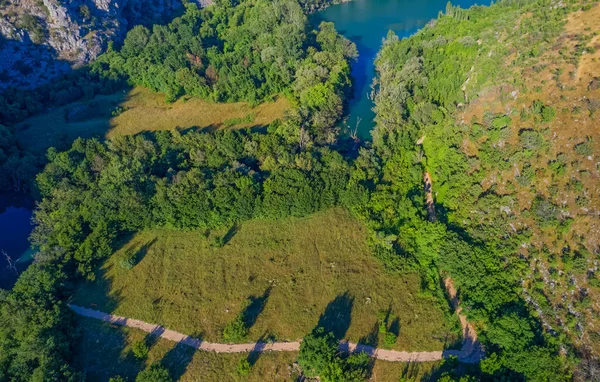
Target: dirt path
{"type": "Point", "coordinates": [382, 354]}
{"type": "Point", "coordinates": [429, 196]}
{"type": "Point", "coordinates": [471, 344]}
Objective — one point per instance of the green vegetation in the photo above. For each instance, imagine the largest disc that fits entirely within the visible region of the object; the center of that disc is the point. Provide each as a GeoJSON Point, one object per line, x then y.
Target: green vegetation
{"type": "Point", "coordinates": [17, 168]}
{"type": "Point", "coordinates": [155, 373]}
{"type": "Point", "coordinates": [142, 110]}
{"type": "Point", "coordinates": [488, 229]}
{"type": "Point", "coordinates": [169, 225]}
{"type": "Point", "coordinates": [319, 356]}
{"type": "Point", "coordinates": [104, 352]}
{"type": "Point", "coordinates": [270, 280]}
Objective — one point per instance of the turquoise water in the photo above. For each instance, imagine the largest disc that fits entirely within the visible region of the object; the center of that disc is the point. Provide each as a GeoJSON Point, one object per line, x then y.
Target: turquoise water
{"type": "Point", "coordinates": [15, 227]}
{"type": "Point", "coordinates": [366, 23]}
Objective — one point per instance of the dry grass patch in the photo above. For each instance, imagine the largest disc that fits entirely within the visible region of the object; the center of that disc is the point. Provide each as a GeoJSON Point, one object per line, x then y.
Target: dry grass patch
{"type": "Point", "coordinates": [137, 111]}
{"type": "Point", "coordinates": [147, 111]}
{"type": "Point", "coordinates": [300, 268]}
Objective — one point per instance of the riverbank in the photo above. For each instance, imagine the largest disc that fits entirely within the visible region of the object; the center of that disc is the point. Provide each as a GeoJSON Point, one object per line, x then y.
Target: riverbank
{"type": "Point", "coordinates": [16, 212]}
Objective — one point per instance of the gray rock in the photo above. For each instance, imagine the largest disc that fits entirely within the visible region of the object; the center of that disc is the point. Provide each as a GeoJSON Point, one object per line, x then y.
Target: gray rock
{"type": "Point", "coordinates": [75, 32]}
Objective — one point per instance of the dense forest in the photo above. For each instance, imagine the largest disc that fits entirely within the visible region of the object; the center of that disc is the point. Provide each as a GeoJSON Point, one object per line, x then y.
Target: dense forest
{"type": "Point", "coordinates": [252, 51]}
{"type": "Point", "coordinates": [489, 241]}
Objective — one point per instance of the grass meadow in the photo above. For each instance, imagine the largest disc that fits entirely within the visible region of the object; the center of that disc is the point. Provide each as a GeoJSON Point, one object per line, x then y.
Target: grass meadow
{"type": "Point", "coordinates": [286, 277]}
{"type": "Point", "coordinates": [106, 351]}
{"type": "Point", "coordinates": [135, 111]}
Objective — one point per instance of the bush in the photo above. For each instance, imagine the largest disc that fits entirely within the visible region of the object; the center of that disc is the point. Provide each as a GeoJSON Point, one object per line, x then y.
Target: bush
{"type": "Point", "coordinates": [156, 373]}
{"type": "Point", "coordinates": [317, 351]}
{"type": "Point", "coordinates": [128, 261]}
{"type": "Point", "coordinates": [140, 349]}
{"type": "Point", "coordinates": [243, 368]}
{"type": "Point", "coordinates": [584, 149]}
{"type": "Point", "coordinates": [545, 213]}
{"type": "Point", "coordinates": [531, 140]}
{"type": "Point", "coordinates": [548, 113]}
{"type": "Point", "coordinates": [389, 339]}
{"type": "Point", "coordinates": [236, 330]}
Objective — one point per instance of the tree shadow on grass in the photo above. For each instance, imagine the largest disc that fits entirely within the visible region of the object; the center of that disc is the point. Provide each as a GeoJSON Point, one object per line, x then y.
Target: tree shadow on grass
{"type": "Point", "coordinates": [230, 233]}
{"type": "Point", "coordinates": [256, 352]}
{"type": "Point", "coordinates": [177, 360]}
{"type": "Point", "coordinates": [255, 308]}
{"type": "Point", "coordinates": [337, 316]}
{"type": "Point", "coordinates": [141, 252]}
{"type": "Point", "coordinates": [372, 338]}
{"type": "Point", "coordinates": [410, 372]}
{"type": "Point", "coordinates": [395, 327]}
{"type": "Point", "coordinates": [153, 337]}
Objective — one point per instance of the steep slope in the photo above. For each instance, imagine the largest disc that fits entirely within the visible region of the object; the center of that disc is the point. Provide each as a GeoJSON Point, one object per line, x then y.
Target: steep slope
{"type": "Point", "coordinates": [499, 104]}
{"type": "Point", "coordinates": [42, 39]}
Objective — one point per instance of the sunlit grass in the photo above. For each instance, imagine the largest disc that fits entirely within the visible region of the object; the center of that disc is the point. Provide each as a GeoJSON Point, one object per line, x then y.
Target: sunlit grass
{"type": "Point", "coordinates": [105, 351]}
{"type": "Point", "coordinates": [136, 111]}
{"type": "Point", "coordinates": [186, 284]}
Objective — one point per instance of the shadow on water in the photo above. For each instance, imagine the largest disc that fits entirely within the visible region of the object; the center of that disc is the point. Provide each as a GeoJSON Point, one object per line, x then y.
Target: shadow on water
{"type": "Point", "coordinates": [337, 316]}
{"type": "Point", "coordinates": [15, 228]}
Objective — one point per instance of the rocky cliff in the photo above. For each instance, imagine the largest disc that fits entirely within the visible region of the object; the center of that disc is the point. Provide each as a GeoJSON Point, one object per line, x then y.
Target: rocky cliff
{"type": "Point", "coordinates": [40, 39]}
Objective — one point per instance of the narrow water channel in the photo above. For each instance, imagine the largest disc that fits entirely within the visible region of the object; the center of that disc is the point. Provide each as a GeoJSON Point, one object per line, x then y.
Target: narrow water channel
{"type": "Point", "coordinates": [366, 23]}
{"type": "Point", "coordinates": [15, 227]}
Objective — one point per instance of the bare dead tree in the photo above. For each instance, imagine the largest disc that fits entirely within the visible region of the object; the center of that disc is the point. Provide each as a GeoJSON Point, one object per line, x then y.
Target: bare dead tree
{"type": "Point", "coordinates": [304, 137]}
{"type": "Point", "coordinates": [354, 132]}
{"type": "Point", "coordinates": [11, 264]}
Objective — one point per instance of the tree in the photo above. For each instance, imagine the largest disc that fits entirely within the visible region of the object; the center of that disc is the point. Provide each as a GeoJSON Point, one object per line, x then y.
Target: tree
{"type": "Point", "coordinates": [317, 353]}
{"type": "Point", "coordinates": [155, 373]}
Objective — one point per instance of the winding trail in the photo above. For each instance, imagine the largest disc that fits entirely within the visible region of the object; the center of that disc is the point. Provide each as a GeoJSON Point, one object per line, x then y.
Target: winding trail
{"type": "Point", "coordinates": [468, 356]}
{"type": "Point", "coordinates": [471, 351]}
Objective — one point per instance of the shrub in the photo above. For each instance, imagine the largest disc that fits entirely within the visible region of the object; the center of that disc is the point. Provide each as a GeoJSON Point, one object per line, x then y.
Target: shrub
{"type": "Point", "coordinates": [243, 368]}
{"type": "Point", "coordinates": [116, 378]}
{"type": "Point", "coordinates": [317, 351]}
{"type": "Point", "coordinates": [548, 113]}
{"type": "Point", "coordinates": [128, 261]}
{"type": "Point", "coordinates": [544, 212]}
{"type": "Point", "coordinates": [584, 149]}
{"type": "Point", "coordinates": [389, 339]}
{"type": "Point", "coordinates": [531, 140]}
{"type": "Point", "coordinates": [155, 373]}
{"type": "Point", "coordinates": [236, 330]}
{"type": "Point", "coordinates": [140, 349]}
{"type": "Point", "coordinates": [218, 242]}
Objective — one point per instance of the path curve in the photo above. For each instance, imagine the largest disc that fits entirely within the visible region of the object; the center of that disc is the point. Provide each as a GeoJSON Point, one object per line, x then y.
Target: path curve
{"type": "Point", "coordinates": [382, 354]}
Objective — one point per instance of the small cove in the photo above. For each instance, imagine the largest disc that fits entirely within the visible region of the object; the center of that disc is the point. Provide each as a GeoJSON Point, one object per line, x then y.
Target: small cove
{"type": "Point", "coordinates": [15, 227]}
{"type": "Point", "coordinates": [366, 23]}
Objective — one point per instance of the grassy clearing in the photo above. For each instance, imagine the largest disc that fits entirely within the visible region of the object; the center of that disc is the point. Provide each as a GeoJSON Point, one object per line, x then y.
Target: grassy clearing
{"type": "Point", "coordinates": [295, 273]}
{"type": "Point", "coordinates": [105, 351]}
{"type": "Point", "coordinates": [137, 111]}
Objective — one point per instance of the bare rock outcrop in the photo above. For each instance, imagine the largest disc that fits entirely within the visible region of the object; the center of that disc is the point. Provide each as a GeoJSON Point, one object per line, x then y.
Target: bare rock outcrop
{"type": "Point", "coordinates": [40, 39]}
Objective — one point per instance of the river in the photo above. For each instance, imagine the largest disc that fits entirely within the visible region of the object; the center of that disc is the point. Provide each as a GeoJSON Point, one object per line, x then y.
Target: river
{"type": "Point", "coordinates": [15, 227]}
{"type": "Point", "coordinates": [366, 23]}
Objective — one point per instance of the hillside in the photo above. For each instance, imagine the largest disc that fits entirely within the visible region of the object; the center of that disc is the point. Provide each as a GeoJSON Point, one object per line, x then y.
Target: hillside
{"type": "Point", "coordinates": [478, 196]}
{"type": "Point", "coordinates": [499, 105]}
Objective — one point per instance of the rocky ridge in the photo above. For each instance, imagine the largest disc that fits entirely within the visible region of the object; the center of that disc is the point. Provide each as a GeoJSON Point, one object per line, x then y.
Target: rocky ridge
{"type": "Point", "coordinates": [41, 39]}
